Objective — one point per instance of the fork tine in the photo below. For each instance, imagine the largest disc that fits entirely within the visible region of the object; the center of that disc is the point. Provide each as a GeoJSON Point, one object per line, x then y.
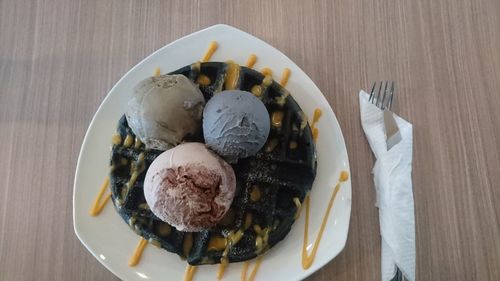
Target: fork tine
{"type": "Point", "coordinates": [370, 99]}
{"type": "Point", "coordinates": [382, 103]}
{"type": "Point", "coordinates": [391, 97]}
{"type": "Point", "coordinates": [379, 91]}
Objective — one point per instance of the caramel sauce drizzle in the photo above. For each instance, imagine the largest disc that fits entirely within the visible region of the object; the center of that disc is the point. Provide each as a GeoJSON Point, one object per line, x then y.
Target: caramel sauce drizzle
{"type": "Point", "coordinates": [187, 244]}
{"type": "Point", "coordinates": [100, 200]}
{"type": "Point", "coordinates": [315, 132]}
{"type": "Point", "coordinates": [138, 143]}
{"type": "Point", "coordinates": [252, 59]}
{"type": "Point", "coordinates": [189, 273]}
{"type": "Point", "coordinates": [217, 243]}
{"type": "Point", "coordinates": [298, 205]}
{"type": "Point", "coordinates": [129, 140]}
{"type": "Point", "coordinates": [203, 80]}
{"type": "Point", "coordinates": [308, 259]}
{"type": "Point", "coordinates": [266, 71]}
{"type": "Point", "coordinates": [248, 221]}
{"type": "Point", "coordinates": [258, 90]}
{"type": "Point", "coordinates": [136, 257]}
{"type": "Point", "coordinates": [157, 72]}
{"type": "Point", "coordinates": [317, 114]}
{"type": "Point", "coordinates": [232, 76]}
{"type": "Point", "coordinates": [222, 268]}
{"type": "Point", "coordinates": [285, 76]}
{"type": "Point", "coordinates": [244, 276]}
{"type": "Point", "coordinates": [277, 118]}
{"type": "Point", "coordinates": [255, 194]}
{"type": "Point", "coordinates": [232, 239]}
{"type": "Point", "coordinates": [212, 47]}
{"type": "Point", "coordinates": [116, 139]}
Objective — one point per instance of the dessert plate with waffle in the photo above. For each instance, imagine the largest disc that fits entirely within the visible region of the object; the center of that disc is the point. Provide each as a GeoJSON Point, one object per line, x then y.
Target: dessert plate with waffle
{"type": "Point", "coordinates": [215, 158]}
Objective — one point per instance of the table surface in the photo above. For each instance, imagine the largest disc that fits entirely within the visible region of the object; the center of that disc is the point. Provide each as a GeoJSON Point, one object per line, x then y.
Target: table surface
{"type": "Point", "coordinates": [58, 59]}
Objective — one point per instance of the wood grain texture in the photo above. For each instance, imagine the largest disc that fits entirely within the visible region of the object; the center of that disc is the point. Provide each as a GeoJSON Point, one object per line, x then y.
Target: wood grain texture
{"type": "Point", "coordinates": [59, 58]}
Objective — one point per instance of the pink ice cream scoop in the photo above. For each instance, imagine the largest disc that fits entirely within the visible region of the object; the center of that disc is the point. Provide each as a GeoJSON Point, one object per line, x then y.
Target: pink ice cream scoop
{"type": "Point", "coordinates": [190, 187]}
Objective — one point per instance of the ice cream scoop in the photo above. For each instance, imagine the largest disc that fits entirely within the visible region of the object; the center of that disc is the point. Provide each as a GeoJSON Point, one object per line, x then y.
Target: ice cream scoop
{"type": "Point", "coordinates": [164, 110]}
{"type": "Point", "coordinates": [189, 187]}
{"type": "Point", "coordinates": [235, 124]}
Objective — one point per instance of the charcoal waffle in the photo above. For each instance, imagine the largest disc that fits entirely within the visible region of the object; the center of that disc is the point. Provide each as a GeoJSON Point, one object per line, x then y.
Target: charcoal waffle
{"type": "Point", "coordinates": [270, 185]}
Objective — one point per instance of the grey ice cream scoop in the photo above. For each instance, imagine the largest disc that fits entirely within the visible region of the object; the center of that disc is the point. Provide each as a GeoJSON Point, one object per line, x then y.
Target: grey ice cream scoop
{"type": "Point", "coordinates": [235, 124]}
{"type": "Point", "coordinates": [164, 109]}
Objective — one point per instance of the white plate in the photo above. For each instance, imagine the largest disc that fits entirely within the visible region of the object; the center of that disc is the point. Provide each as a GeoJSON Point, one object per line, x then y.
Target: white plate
{"type": "Point", "coordinates": [112, 242]}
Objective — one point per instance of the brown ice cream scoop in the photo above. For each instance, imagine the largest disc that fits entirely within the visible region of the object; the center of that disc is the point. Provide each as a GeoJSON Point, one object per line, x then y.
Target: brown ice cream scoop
{"type": "Point", "coordinates": [164, 109]}
{"type": "Point", "coordinates": [189, 187]}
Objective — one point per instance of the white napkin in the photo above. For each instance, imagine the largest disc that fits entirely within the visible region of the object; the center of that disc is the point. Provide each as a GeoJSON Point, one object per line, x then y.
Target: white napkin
{"type": "Point", "coordinates": [392, 177]}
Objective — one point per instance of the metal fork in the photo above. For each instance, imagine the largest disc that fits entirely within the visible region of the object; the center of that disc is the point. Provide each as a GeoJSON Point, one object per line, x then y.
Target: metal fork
{"type": "Point", "coordinates": [382, 97]}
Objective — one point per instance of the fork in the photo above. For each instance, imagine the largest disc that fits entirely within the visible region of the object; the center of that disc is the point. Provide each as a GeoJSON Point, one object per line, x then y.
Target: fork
{"type": "Point", "coordinates": [382, 97]}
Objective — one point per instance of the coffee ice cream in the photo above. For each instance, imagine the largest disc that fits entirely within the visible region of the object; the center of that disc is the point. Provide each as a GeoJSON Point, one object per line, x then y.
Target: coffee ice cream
{"type": "Point", "coordinates": [164, 110]}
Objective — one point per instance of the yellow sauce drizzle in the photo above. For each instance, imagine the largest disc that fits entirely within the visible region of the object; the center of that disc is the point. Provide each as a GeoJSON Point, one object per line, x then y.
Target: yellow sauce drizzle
{"type": "Point", "coordinates": [116, 139]}
{"type": "Point", "coordinates": [136, 171]}
{"type": "Point", "coordinates": [315, 134]}
{"type": "Point", "coordinates": [157, 72]}
{"type": "Point", "coordinates": [138, 252]}
{"type": "Point", "coordinates": [248, 221]}
{"type": "Point", "coordinates": [232, 239]}
{"type": "Point", "coordinates": [298, 205]}
{"type": "Point", "coordinates": [203, 80]}
{"type": "Point", "coordinates": [257, 229]}
{"type": "Point", "coordinates": [232, 76]}
{"type": "Point", "coordinates": [344, 176]}
{"type": "Point", "coordinates": [261, 239]}
{"type": "Point", "coordinates": [212, 47]}
{"type": "Point", "coordinates": [190, 271]}
{"type": "Point", "coordinates": [164, 229]}
{"type": "Point", "coordinates": [266, 71]}
{"type": "Point", "coordinates": [258, 261]}
{"type": "Point", "coordinates": [277, 118]}
{"type": "Point", "coordinates": [129, 140]}
{"type": "Point", "coordinates": [267, 81]}
{"type": "Point", "coordinates": [154, 242]}
{"type": "Point", "coordinates": [257, 91]}
{"type": "Point", "coordinates": [255, 194]}
{"type": "Point", "coordinates": [196, 67]}
{"type": "Point", "coordinates": [258, 243]}
{"type": "Point", "coordinates": [285, 76]}
{"type": "Point", "coordinates": [138, 143]}
{"type": "Point", "coordinates": [217, 243]}
{"type": "Point", "coordinates": [100, 201]}
{"type": "Point", "coordinates": [187, 243]}
{"type": "Point", "coordinates": [317, 114]}
{"type": "Point", "coordinates": [303, 124]}
{"type": "Point", "coordinates": [271, 145]}
{"type": "Point", "coordinates": [252, 59]}
{"type": "Point", "coordinates": [307, 260]}
{"type": "Point", "coordinates": [222, 268]}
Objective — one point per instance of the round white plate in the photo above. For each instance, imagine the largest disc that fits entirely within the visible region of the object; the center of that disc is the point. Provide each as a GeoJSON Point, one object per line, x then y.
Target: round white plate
{"type": "Point", "coordinates": [110, 239]}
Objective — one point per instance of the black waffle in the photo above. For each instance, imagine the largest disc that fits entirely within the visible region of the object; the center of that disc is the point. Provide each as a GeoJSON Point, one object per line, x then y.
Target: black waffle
{"type": "Point", "coordinates": [284, 169]}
